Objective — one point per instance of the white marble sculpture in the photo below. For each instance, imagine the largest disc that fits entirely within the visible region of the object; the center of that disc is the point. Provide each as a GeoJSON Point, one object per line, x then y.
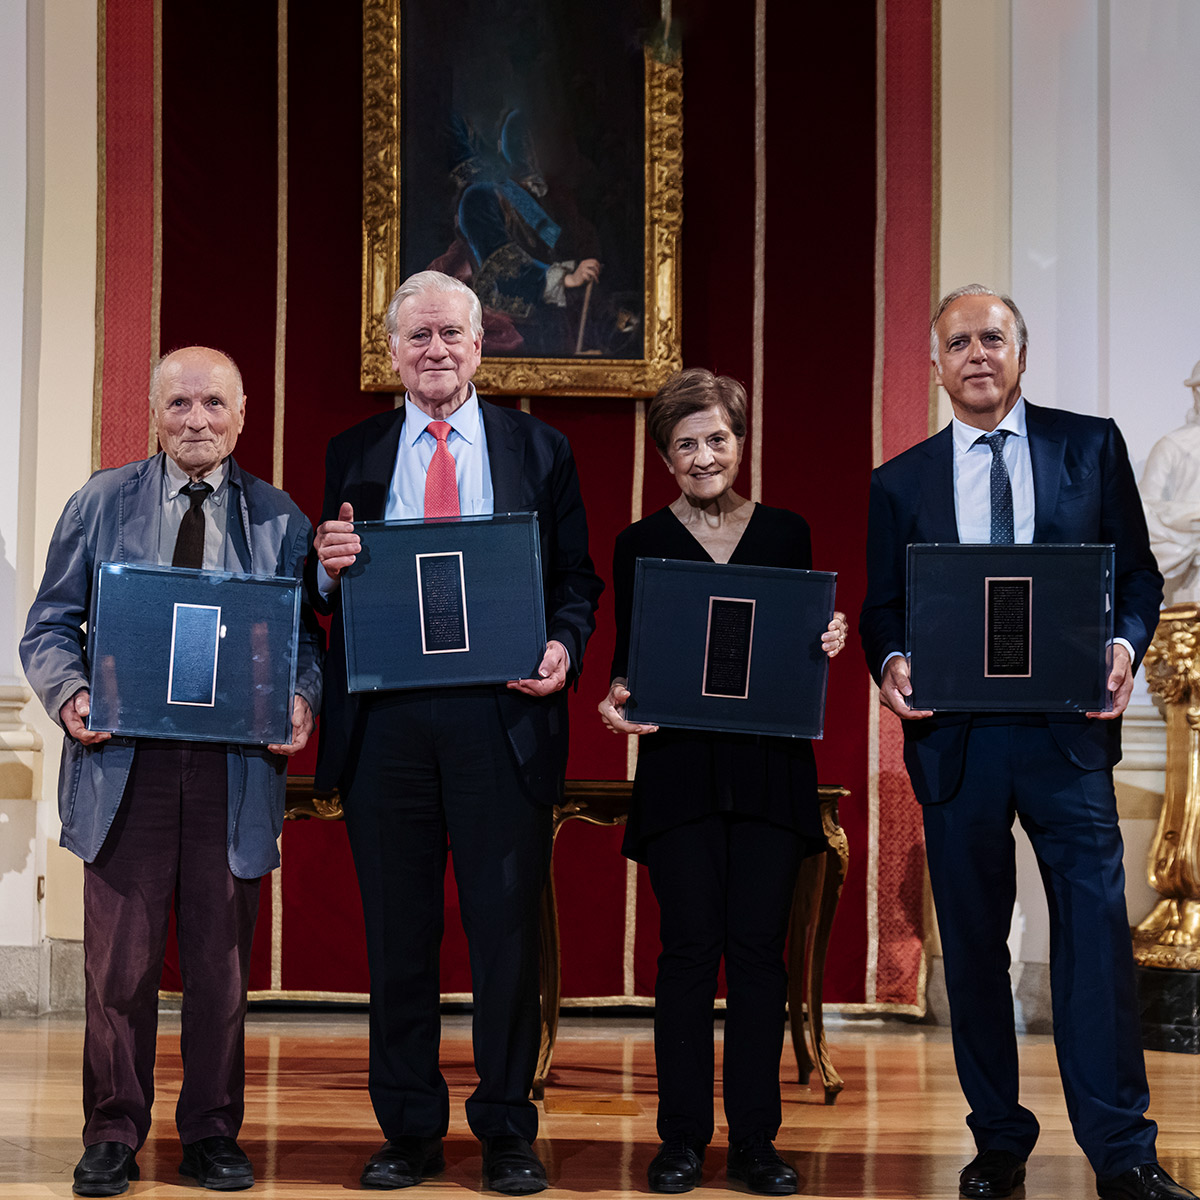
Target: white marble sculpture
{"type": "Point", "coordinates": [1170, 490]}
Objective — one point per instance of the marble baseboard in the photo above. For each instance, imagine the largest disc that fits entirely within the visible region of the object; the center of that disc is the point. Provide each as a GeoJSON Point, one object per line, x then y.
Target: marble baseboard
{"type": "Point", "coordinates": [41, 979]}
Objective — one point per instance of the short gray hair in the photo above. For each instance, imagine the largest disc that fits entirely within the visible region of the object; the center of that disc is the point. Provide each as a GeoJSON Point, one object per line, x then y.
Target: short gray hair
{"type": "Point", "coordinates": [975, 289]}
{"type": "Point", "coordinates": [156, 371]}
{"type": "Point", "coordinates": [434, 281]}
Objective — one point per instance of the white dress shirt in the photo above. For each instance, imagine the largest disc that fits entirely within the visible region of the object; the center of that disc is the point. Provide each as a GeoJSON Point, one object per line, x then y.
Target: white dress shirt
{"type": "Point", "coordinates": [973, 478]}
{"type": "Point", "coordinates": [973, 485]}
{"type": "Point", "coordinates": [467, 443]}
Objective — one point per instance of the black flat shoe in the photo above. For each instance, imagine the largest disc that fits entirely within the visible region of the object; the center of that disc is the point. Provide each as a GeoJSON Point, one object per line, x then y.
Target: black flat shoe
{"type": "Point", "coordinates": [105, 1169]}
{"type": "Point", "coordinates": [991, 1173]}
{"type": "Point", "coordinates": [403, 1162]}
{"type": "Point", "coordinates": [217, 1163]}
{"type": "Point", "coordinates": [511, 1166]}
{"type": "Point", "coordinates": [676, 1167]}
{"type": "Point", "coordinates": [759, 1167]}
{"type": "Point", "coordinates": [1147, 1182]}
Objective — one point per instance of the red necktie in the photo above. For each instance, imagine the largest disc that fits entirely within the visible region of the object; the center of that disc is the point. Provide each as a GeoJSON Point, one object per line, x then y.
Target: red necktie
{"type": "Point", "coordinates": [441, 485]}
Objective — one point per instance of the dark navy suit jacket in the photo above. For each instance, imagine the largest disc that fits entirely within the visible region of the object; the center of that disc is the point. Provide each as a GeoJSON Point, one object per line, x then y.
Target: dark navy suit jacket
{"type": "Point", "coordinates": [532, 470]}
{"type": "Point", "coordinates": [1084, 491]}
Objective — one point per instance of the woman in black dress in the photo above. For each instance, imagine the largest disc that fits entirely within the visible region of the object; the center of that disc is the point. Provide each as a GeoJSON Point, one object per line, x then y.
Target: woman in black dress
{"type": "Point", "coordinates": [721, 820]}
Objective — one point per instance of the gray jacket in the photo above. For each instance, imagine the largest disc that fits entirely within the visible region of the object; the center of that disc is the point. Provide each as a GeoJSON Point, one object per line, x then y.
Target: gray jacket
{"type": "Point", "coordinates": [114, 517]}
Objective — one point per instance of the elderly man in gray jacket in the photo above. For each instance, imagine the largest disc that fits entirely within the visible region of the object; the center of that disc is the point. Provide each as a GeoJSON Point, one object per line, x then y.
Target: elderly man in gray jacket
{"type": "Point", "coordinates": [157, 822]}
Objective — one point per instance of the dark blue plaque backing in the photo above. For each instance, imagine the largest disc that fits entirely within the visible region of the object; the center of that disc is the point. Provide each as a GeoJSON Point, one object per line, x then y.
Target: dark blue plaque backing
{"type": "Point", "coordinates": [391, 642]}
{"type": "Point", "coordinates": [1070, 621]}
{"type": "Point", "coordinates": [669, 644]}
{"type": "Point", "coordinates": [158, 634]}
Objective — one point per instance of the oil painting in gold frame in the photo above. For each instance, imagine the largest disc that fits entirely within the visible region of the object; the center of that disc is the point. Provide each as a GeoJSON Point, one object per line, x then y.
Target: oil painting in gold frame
{"type": "Point", "coordinates": [471, 166]}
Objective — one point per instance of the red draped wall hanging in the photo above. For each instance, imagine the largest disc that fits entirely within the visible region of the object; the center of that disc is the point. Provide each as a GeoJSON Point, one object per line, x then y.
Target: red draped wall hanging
{"type": "Point", "coordinates": [260, 252]}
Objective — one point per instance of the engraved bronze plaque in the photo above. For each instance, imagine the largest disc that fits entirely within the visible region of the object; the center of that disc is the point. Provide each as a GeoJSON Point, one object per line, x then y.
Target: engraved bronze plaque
{"type": "Point", "coordinates": [1008, 626]}
{"type": "Point", "coordinates": [727, 647]}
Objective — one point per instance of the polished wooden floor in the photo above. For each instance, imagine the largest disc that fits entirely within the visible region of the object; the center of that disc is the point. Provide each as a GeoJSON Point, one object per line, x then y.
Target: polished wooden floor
{"type": "Point", "coordinates": [896, 1131]}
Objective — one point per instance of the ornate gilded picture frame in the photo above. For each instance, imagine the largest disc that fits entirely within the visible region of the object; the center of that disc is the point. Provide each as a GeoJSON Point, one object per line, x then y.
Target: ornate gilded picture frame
{"type": "Point", "coordinates": [537, 156]}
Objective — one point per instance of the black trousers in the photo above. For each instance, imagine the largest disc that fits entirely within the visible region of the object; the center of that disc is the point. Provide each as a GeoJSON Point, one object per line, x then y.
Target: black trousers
{"type": "Point", "coordinates": [167, 845]}
{"type": "Point", "coordinates": [1017, 771]}
{"type": "Point", "coordinates": [435, 766]}
{"type": "Point", "coordinates": [724, 886]}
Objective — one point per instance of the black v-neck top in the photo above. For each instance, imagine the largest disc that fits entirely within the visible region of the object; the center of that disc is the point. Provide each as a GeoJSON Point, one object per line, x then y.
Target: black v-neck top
{"type": "Point", "coordinates": [684, 774]}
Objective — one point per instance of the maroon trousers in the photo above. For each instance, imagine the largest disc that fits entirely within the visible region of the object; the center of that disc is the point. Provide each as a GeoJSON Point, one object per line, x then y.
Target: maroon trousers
{"type": "Point", "coordinates": [168, 842]}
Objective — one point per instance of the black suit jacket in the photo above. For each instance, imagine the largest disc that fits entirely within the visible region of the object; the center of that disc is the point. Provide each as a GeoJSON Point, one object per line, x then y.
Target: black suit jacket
{"type": "Point", "coordinates": [1084, 491]}
{"type": "Point", "coordinates": [532, 470]}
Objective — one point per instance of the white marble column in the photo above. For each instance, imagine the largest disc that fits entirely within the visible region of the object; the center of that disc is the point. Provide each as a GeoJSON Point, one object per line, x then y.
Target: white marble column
{"type": "Point", "coordinates": [24, 977]}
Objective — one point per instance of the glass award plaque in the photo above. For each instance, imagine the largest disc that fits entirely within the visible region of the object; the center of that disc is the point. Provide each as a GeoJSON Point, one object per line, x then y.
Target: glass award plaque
{"type": "Point", "coordinates": [206, 656]}
{"type": "Point", "coordinates": [735, 649]}
{"type": "Point", "coordinates": [1020, 628]}
{"type": "Point", "coordinates": [444, 603]}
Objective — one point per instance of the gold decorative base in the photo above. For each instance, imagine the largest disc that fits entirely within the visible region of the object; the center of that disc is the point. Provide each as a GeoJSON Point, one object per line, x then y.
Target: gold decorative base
{"type": "Point", "coordinates": [1169, 936]}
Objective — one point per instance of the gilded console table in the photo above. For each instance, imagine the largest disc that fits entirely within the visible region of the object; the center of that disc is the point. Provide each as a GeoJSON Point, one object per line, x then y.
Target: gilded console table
{"type": "Point", "coordinates": [606, 802]}
{"type": "Point", "coordinates": [1170, 935]}
{"type": "Point", "coordinates": [1166, 945]}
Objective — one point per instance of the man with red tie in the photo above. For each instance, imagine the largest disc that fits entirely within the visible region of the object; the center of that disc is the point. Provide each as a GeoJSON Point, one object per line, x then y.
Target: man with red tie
{"type": "Point", "coordinates": [478, 767]}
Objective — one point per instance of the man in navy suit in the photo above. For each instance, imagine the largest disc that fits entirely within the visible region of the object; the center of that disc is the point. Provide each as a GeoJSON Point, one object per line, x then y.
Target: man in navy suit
{"type": "Point", "coordinates": [478, 766]}
{"type": "Point", "coordinates": [1006, 470]}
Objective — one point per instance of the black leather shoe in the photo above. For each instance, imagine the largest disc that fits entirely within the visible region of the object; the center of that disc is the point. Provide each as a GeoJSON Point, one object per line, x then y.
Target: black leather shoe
{"type": "Point", "coordinates": [676, 1167]}
{"type": "Point", "coordinates": [760, 1168]}
{"type": "Point", "coordinates": [217, 1163]}
{"type": "Point", "coordinates": [105, 1169]}
{"type": "Point", "coordinates": [1147, 1182]}
{"type": "Point", "coordinates": [510, 1166]}
{"type": "Point", "coordinates": [991, 1173]}
{"type": "Point", "coordinates": [403, 1162]}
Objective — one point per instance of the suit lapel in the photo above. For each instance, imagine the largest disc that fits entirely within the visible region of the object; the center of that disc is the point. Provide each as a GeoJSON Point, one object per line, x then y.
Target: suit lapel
{"type": "Point", "coordinates": [1046, 450]}
{"type": "Point", "coordinates": [140, 513]}
{"type": "Point", "coordinates": [378, 465]}
{"type": "Point", "coordinates": [936, 522]}
{"type": "Point", "coordinates": [506, 457]}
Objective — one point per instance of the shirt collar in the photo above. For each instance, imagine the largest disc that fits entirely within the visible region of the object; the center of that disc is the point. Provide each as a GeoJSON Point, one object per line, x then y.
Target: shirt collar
{"type": "Point", "coordinates": [464, 420]}
{"type": "Point", "coordinates": [176, 479]}
{"type": "Point", "coordinates": [965, 436]}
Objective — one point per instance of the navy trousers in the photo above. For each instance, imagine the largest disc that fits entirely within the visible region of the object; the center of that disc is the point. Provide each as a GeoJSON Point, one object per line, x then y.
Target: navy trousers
{"type": "Point", "coordinates": [166, 846]}
{"type": "Point", "coordinates": [1017, 770]}
{"type": "Point", "coordinates": [432, 766]}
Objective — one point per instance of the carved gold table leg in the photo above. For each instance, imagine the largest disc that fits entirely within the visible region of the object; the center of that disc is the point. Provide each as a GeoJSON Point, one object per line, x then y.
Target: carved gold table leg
{"type": "Point", "coordinates": [1170, 936]}
{"type": "Point", "coordinates": [814, 905]}
{"type": "Point", "coordinates": [1166, 945]}
{"type": "Point", "coordinates": [598, 802]}
{"type": "Point", "coordinates": [551, 982]}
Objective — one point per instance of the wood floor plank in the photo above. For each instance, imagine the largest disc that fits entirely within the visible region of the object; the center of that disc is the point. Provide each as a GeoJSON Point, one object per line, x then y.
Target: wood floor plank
{"type": "Point", "coordinates": [895, 1133]}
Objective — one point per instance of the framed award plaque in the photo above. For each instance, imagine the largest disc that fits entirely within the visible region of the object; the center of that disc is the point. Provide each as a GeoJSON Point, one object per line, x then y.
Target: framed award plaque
{"type": "Point", "coordinates": [729, 648]}
{"type": "Point", "coordinates": [199, 655]}
{"type": "Point", "coordinates": [443, 603]}
{"type": "Point", "coordinates": [1021, 628]}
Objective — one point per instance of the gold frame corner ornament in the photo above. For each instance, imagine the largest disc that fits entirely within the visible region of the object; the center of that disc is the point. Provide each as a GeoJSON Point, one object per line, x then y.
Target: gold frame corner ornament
{"type": "Point", "coordinates": [663, 167]}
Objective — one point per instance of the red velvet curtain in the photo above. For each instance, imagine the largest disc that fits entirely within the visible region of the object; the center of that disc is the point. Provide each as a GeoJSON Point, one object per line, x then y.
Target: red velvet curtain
{"type": "Point", "coordinates": [223, 251]}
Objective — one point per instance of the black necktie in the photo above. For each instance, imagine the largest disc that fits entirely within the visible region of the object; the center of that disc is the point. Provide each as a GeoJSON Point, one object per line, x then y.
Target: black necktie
{"type": "Point", "coordinates": [189, 545]}
{"type": "Point", "coordinates": [1002, 505]}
